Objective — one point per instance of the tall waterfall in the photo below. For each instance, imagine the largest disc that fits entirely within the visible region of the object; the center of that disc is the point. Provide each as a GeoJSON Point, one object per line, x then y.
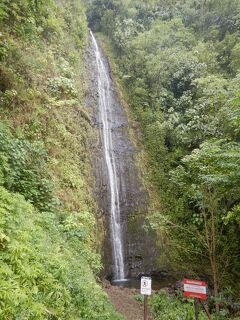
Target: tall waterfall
{"type": "Point", "coordinates": [105, 105]}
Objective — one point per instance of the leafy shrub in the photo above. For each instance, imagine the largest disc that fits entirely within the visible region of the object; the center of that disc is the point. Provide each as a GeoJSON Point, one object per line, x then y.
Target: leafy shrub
{"type": "Point", "coordinates": [7, 98]}
{"type": "Point", "coordinates": [169, 308]}
{"type": "Point", "coordinates": [62, 87]}
{"type": "Point", "coordinates": [24, 169]}
{"type": "Point", "coordinates": [139, 298]}
{"type": "Point", "coordinates": [77, 227]}
{"type": "Point", "coordinates": [43, 276]}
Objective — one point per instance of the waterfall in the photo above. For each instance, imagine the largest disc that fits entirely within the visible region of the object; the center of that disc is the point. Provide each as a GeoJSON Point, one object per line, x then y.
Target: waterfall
{"type": "Point", "coordinates": [105, 105]}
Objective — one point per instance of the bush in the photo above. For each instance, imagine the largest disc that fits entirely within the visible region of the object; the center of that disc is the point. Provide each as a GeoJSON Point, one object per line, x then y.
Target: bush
{"type": "Point", "coordinates": [170, 308]}
{"type": "Point", "coordinates": [62, 87]}
{"type": "Point", "coordinates": [43, 275]}
{"type": "Point", "coordinates": [24, 169]}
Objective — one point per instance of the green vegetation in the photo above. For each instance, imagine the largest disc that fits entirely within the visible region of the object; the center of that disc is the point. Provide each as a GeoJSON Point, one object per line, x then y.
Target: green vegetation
{"type": "Point", "coordinates": [178, 62]}
{"type": "Point", "coordinates": [172, 308]}
{"type": "Point", "coordinates": [48, 231]}
{"type": "Point", "coordinates": [45, 264]}
{"type": "Point", "coordinates": [166, 307]}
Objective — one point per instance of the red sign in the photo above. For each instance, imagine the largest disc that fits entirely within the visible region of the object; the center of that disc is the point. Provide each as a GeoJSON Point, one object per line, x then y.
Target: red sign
{"type": "Point", "coordinates": [195, 289]}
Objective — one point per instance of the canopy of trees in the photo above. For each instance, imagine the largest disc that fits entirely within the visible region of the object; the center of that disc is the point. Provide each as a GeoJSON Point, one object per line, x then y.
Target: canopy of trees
{"type": "Point", "coordinates": [178, 61]}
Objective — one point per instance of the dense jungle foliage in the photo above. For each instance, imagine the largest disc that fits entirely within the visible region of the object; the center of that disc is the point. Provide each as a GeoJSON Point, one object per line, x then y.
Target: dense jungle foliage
{"type": "Point", "coordinates": [178, 62]}
{"type": "Point", "coordinates": [48, 259]}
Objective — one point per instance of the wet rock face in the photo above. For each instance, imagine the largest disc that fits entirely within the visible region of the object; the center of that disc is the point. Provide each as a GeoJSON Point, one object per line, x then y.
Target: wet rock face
{"type": "Point", "coordinates": [139, 247]}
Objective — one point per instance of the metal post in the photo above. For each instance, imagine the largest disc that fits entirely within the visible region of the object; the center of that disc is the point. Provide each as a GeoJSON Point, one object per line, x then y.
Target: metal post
{"type": "Point", "coordinates": [145, 307]}
{"type": "Point", "coordinates": [196, 308]}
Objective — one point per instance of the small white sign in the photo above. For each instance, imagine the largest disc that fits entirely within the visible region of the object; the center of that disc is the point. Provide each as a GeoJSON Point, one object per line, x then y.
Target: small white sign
{"type": "Point", "coordinates": [146, 286]}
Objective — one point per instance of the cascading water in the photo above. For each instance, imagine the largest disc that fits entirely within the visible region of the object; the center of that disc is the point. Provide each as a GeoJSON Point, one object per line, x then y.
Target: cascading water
{"type": "Point", "coordinates": [105, 105]}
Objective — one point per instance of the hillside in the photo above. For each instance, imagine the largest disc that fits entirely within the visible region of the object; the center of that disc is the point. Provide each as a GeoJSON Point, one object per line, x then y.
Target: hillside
{"type": "Point", "coordinates": [48, 230]}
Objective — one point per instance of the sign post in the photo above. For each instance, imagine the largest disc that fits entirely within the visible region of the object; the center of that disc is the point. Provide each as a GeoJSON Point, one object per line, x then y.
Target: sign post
{"type": "Point", "coordinates": [195, 289]}
{"type": "Point", "coordinates": [146, 290]}
{"type": "Point", "coordinates": [196, 308]}
{"type": "Point", "coordinates": [145, 307]}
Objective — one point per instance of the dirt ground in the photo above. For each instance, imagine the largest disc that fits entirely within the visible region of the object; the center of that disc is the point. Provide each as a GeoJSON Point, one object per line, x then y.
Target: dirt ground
{"type": "Point", "coordinates": [124, 302]}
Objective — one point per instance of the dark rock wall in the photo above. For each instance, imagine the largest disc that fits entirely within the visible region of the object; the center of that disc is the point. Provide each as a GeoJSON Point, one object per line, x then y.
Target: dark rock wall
{"type": "Point", "coordinates": [139, 247]}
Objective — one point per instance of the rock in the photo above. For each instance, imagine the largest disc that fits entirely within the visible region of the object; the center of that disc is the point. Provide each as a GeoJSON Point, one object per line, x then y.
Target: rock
{"type": "Point", "coordinates": [139, 246]}
{"type": "Point", "coordinates": [106, 284]}
{"type": "Point", "coordinates": [178, 285]}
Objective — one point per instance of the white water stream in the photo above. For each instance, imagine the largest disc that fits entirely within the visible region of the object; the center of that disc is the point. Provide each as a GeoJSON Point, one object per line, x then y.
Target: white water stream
{"type": "Point", "coordinates": [105, 105]}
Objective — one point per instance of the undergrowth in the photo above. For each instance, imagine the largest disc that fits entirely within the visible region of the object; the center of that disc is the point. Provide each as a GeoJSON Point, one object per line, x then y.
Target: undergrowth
{"type": "Point", "coordinates": [167, 307]}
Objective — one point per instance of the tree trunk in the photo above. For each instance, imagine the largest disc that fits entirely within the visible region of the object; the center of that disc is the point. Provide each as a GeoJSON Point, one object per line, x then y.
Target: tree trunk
{"type": "Point", "coordinates": [211, 238]}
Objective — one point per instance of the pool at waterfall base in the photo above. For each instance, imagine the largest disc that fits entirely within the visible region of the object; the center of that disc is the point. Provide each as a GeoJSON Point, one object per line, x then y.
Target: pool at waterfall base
{"type": "Point", "coordinates": [157, 283]}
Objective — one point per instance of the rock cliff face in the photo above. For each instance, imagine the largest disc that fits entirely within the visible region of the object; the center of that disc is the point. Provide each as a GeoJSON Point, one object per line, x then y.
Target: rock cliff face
{"type": "Point", "coordinates": [139, 247]}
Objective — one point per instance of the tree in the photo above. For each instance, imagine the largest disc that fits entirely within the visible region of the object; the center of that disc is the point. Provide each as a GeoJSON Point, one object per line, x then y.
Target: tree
{"type": "Point", "coordinates": [208, 184]}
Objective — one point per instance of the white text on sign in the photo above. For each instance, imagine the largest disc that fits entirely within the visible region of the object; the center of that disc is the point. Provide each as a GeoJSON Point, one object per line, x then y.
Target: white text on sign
{"type": "Point", "coordinates": [195, 289]}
